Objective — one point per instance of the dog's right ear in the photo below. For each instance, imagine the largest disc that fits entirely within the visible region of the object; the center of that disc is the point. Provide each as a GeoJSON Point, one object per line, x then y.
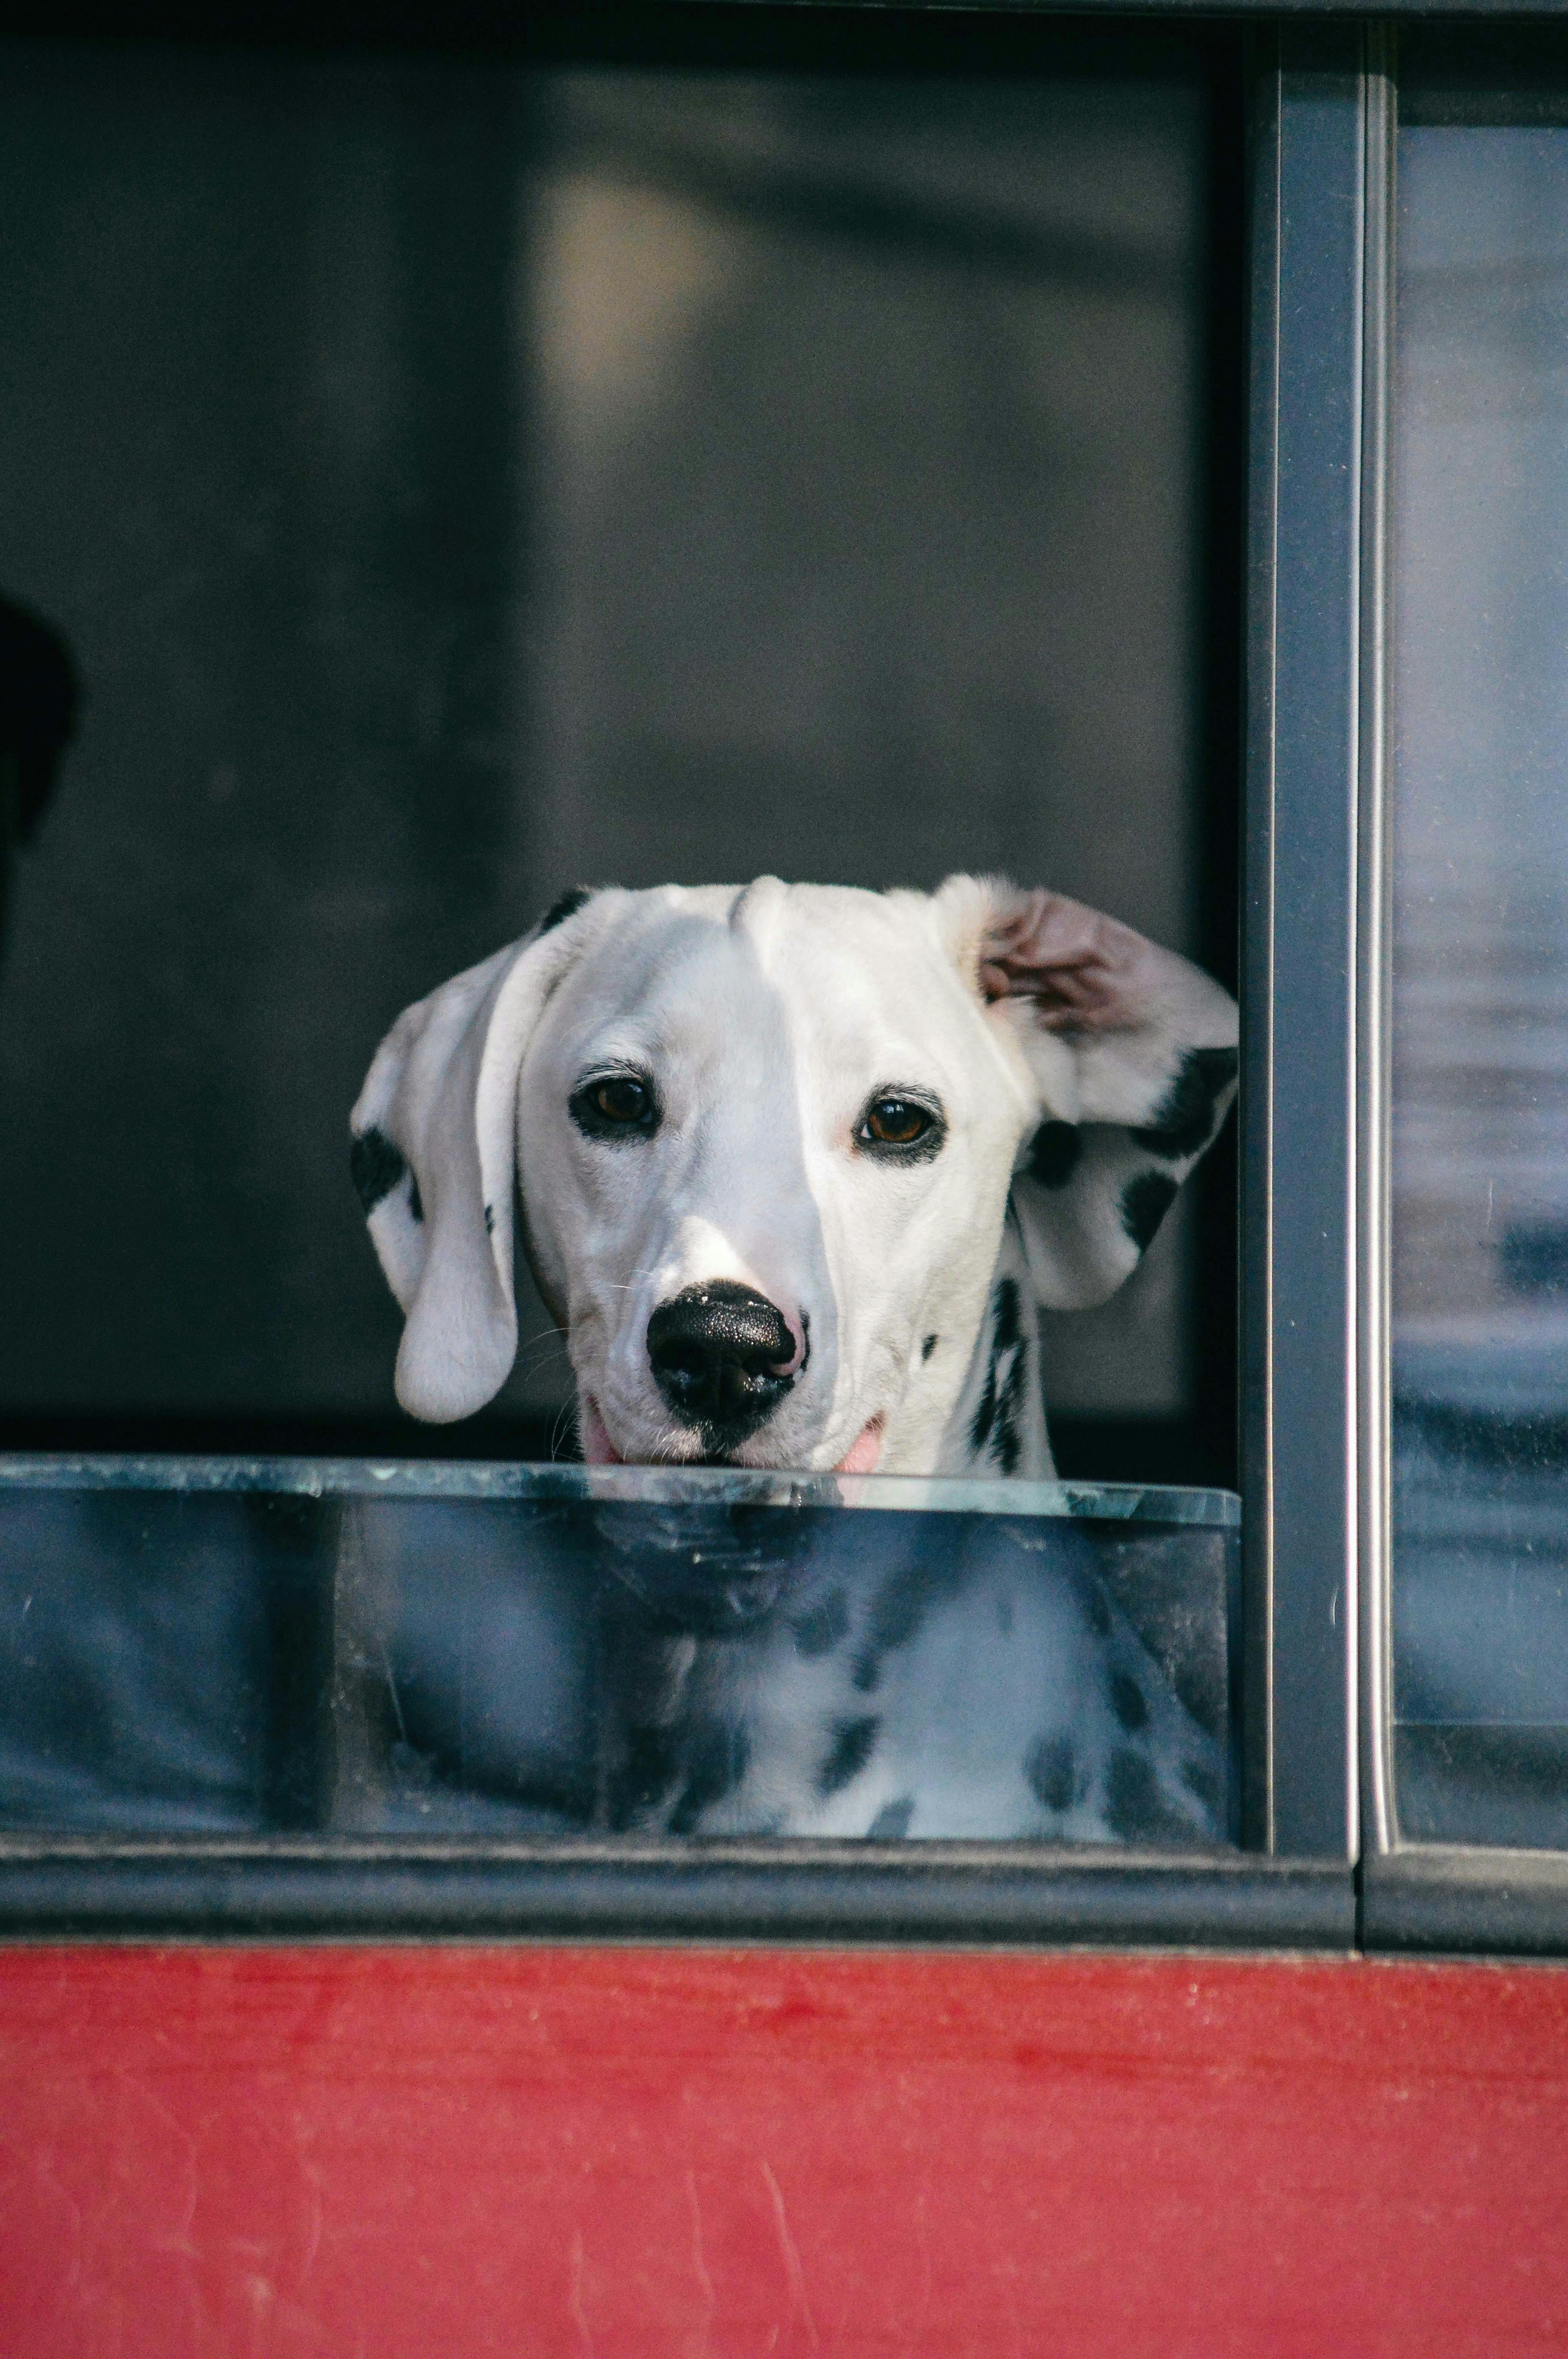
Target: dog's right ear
{"type": "Point", "coordinates": [434, 1160]}
{"type": "Point", "coordinates": [1132, 1053]}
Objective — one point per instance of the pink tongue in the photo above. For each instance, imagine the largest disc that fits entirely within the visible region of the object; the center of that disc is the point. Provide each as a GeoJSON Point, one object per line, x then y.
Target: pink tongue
{"type": "Point", "coordinates": [863, 1457]}
{"type": "Point", "coordinates": [598, 1450]}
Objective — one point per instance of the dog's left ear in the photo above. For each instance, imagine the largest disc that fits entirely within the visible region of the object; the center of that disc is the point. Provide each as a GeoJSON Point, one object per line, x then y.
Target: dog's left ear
{"type": "Point", "coordinates": [1096, 1009]}
{"type": "Point", "coordinates": [1132, 1054]}
{"type": "Point", "coordinates": [435, 1158]}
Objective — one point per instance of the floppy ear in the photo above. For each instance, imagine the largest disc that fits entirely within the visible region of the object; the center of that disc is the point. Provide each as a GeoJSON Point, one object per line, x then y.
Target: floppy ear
{"type": "Point", "coordinates": [435, 1160]}
{"type": "Point", "coordinates": [1132, 1054]}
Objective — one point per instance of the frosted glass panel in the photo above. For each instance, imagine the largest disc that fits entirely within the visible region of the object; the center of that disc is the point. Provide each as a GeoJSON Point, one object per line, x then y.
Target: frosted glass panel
{"type": "Point", "coordinates": [202, 1647]}
{"type": "Point", "coordinates": [1481, 1148]}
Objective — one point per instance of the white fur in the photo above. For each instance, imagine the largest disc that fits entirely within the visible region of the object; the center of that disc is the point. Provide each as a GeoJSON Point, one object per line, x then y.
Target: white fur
{"type": "Point", "coordinates": [769, 1017]}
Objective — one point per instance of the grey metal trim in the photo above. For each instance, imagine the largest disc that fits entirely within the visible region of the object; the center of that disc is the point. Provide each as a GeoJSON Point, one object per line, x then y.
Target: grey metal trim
{"type": "Point", "coordinates": [779, 1489]}
{"type": "Point", "coordinates": [1373, 998]}
{"type": "Point", "coordinates": [1456, 1901]}
{"type": "Point", "coordinates": [1255, 1115]}
{"type": "Point", "coordinates": [478, 27]}
{"type": "Point", "coordinates": [1299, 1044]}
{"type": "Point", "coordinates": [999, 1893]}
{"type": "Point", "coordinates": [1286, 9]}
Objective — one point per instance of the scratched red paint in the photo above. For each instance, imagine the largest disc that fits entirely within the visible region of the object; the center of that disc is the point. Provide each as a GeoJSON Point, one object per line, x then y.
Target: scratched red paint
{"type": "Point", "coordinates": [660, 2154]}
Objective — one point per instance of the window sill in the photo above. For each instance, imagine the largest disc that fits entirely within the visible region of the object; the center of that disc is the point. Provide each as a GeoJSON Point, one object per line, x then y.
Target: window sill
{"type": "Point", "coordinates": [1455, 1900]}
{"type": "Point", "coordinates": [723, 1891]}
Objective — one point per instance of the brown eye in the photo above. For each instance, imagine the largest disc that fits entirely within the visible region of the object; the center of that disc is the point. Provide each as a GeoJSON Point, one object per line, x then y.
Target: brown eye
{"type": "Point", "coordinates": [621, 1101]}
{"type": "Point", "coordinates": [615, 1106]}
{"type": "Point", "coordinates": [902, 1130]}
{"type": "Point", "coordinates": [897, 1122]}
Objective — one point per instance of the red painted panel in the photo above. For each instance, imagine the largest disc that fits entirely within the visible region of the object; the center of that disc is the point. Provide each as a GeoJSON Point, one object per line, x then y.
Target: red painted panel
{"type": "Point", "coordinates": [647, 2154]}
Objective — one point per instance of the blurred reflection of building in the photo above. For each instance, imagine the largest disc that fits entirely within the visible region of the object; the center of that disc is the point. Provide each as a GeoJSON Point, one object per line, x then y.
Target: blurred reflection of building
{"type": "Point", "coordinates": [1481, 818]}
{"type": "Point", "coordinates": [458, 483]}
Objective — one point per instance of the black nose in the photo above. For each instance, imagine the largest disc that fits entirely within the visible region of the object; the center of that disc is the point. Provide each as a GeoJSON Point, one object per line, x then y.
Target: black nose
{"type": "Point", "coordinates": [717, 1351]}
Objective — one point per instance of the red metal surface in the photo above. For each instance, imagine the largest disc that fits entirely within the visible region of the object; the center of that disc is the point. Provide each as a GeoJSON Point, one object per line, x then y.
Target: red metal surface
{"type": "Point", "coordinates": [625, 2153]}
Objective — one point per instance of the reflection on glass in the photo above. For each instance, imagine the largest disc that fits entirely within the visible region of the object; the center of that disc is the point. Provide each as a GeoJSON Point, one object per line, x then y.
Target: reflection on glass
{"type": "Point", "coordinates": [1481, 1148]}
{"type": "Point", "coordinates": [457, 482]}
{"type": "Point", "coordinates": [223, 1647]}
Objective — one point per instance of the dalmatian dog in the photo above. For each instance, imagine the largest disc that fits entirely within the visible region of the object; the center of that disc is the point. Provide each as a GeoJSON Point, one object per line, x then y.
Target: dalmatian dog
{"type": "Point", "coordinates": [795, 1168]}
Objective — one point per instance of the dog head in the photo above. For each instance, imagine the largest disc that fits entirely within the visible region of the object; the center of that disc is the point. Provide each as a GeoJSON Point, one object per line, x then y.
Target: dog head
{"type": "Point", "coordinates": [762, 1144]}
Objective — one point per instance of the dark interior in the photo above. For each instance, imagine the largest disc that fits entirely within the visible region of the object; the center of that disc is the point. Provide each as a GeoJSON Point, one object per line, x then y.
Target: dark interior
{"type": "Point", "coordinates": [454, 467]}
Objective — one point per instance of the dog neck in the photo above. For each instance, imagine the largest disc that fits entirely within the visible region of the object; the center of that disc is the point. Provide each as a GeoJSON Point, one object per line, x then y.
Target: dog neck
{"type": "Point", "coordinates": [997, 1424]}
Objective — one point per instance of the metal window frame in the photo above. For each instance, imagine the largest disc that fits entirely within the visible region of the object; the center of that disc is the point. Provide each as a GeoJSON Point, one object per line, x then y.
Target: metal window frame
{"type": "Point", "coordinates": [1414, 1897]}
{"type": "Point", "coordinates": [1317, 1332]}
{"type": "Point", "coordinates": [1314, 1342]}
{"type": "Point", "coordinates": [1299, 1048]}
{"type": "Point", "coordinates": [1315, 1354]}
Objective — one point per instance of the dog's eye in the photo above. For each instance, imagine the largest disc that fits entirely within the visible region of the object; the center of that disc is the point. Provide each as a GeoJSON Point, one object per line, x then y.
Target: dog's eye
{"type": "Point", "coordinates": [620, 1100]}
{"type": "Point", "coordinates": [901, 1124]}
{"type": "Point", "coordinates": [616, 1106]}
{"type": "Point", "coordinates": [897, 1122]}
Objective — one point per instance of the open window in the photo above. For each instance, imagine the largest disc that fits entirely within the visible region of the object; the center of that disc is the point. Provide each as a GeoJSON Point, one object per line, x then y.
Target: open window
{"type": "Point", "coordinates": [1469, 1780]}
{"type": "Point", "coordinates": [734, 443]}
{"type": "Point", "coordinates": [727, 448]}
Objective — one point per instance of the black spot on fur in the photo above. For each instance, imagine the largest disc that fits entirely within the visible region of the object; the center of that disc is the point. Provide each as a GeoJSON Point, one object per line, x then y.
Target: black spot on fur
{"type": "Point", "coordinates": [892, 1820]}
{"type": "Point", "coordinates": [643, 1778]}
{"type": "Point", "coordinates": [415, 1201]}
{"type": "Point", "coordinates": [1127, 1702]}
{"type": "Point", "coordinates": [1144, 1204]}
{"type": "Point", "coordinates": [994, 1426]}
{"type": "Point", "coordinates": [1008, 1445]}
{"type": "Point", "coordinates": [900, 1606]}
{"type": "Point", "coordinates": [1201, 1779]}
{"type": "Point", "coordinates": [848, 1755]}
{"type": "Point", "coordinates": [490, 1220]}
{"type": "Point", "coordinates": [1185, 1116]}
{"type": "Point", "coordinates": [819, 1628]}
{"type": "Point", "coordinates": [1136, 1810]}
{"type": "Point", "coordinates": [715, 1761]}
{"type": "Point", "coordinates": [375, 1166]}
{"type": "Point", "coordinates": [985, 1411]}
{"type": "Point", "coordinates": [1131, 1794]}
{"type": "Point", "coordinates": [929, 1346]}
{"type": "Point", "coordinates": [1053, 1153]}
{"type": "Point", "coordinates": [897, 1612]}
{"type": "Point", "coordinates": [1052, 1770]}
{"type": "Point", "coordinates": [1006, 1314]}
{"type": "Point", "coordinates": [567, 907]}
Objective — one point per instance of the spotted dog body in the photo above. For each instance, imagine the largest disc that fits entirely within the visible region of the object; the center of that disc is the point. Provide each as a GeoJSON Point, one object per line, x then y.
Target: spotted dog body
{"type": "Point", "coordinates": [797, 1169]}
{"type": "Point", "coordinates": [994, 1695]}
{"type": "Point", "coordinates": [1126, 1183]}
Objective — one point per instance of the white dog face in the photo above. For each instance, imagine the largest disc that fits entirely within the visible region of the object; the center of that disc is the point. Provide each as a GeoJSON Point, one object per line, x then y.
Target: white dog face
{"type": "Point", "coordinates": [808, 1107]}
{"type": "Point", "coordinates": [764, 1141]}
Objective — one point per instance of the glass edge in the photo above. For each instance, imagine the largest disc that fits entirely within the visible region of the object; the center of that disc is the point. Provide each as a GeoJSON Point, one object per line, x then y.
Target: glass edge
{"type": "Point", "coordinates": [476, 1479]}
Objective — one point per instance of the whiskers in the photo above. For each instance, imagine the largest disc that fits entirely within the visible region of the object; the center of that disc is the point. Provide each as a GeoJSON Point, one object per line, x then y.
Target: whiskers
{"type": "Point", "coordinates": [537, 1348]}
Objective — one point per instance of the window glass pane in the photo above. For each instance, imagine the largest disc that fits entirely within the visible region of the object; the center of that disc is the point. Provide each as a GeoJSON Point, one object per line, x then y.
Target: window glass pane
{"type": "Point", "coordinates": [456, 483]}
{"type": "Point", "coordinates": [1480, 1146]}
{"type": "Point", "coordinates": [221, 1646]}
{"type": "Point", "coordinates": [448, 482]}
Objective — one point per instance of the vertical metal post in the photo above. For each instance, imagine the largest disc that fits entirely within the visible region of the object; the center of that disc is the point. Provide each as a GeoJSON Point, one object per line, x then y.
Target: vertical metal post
{"type": "Point", "coordinates": [1300, 1062]}
{"type": "Point", "coordinates": [1374, 998]}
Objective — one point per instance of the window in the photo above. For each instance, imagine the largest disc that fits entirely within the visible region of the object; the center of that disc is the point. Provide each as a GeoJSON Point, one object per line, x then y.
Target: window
{"type": "Point", "coordinates": [441, 554]}
{"type": "Point", "coordinates": [402, 448]}
{"type": "Point", "coordinates": [672, 452]}
{"type": "Point", "coordinates": [1476, 1719]}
